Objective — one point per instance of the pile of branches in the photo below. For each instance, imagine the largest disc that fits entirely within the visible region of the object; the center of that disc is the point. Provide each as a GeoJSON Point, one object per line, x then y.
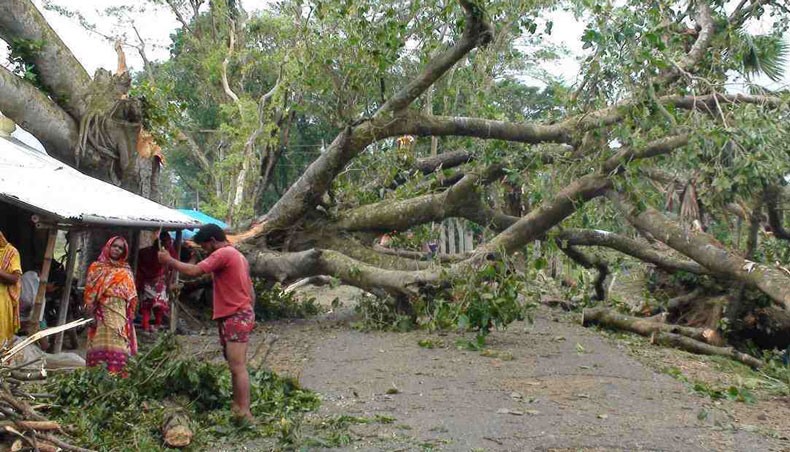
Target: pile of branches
{"type": "Point", "coordinates": [21, 425]}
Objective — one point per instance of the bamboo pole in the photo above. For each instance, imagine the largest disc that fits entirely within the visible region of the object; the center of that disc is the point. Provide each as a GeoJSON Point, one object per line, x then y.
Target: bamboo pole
{"type": "Point", "coordinates": [134, 249]}
{"type": "Point", "coordinates": [174, 303]}
{"type": "Point", "coordinates": [38, 307]}
{"type": "Point", "coordinates": [63, 312]}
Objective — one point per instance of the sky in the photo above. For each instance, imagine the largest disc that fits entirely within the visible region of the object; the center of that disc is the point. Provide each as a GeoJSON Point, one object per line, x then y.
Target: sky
{"type": "Point", "coordinates": [155, 26]}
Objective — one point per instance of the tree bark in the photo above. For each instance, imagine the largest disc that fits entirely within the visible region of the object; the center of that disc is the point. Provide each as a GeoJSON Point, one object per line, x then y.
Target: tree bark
{"type": "Point", "coordinates": [38, 114]}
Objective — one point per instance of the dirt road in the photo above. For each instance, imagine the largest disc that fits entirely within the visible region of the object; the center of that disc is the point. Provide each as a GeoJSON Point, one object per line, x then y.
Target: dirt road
{"type": "Point", "coordinates": [549, 386]}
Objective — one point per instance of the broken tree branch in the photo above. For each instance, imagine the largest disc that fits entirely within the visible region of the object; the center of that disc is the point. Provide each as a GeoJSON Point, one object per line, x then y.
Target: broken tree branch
{"type": "Point", "coordinates": [701, 348]}
{"type": "Point", "coordinates": [631, 247]}
{"type": "Point", "coordinates": [610, 318]}
{"type": "Point", "coordinates": [706, 250]}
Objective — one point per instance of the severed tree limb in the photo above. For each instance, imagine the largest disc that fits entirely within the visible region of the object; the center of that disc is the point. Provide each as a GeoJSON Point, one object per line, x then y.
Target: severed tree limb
{"type": "Point", "coordinates": [617, 162]}
{"type": "Point", "coordinates": [34, 425]}
{"type": "Point", "coordinates": [561, 132]}
{"type": "Point", "coordinates": [675, 304]}
{"type": "Point", "coordinates": [706, 251]}
{"type": "Point", "coordinates": [709, 102]}
{"type": "Point", "coordinates": [610, 318]}
{"type": "Point", "coordinates": [20, 406]}
{"type": "Point", "coordinates": [420, 255]}
{"type": "Point", "coordinates": [389, 215]}
{"type": "Point", "coordinates": [701, 348]}
{"type": "Point", "coordinates": [548, 215]}
{"type": "Point", "coordinates": [626, 245]}
{"type": "Point", "coordinates": [355, 250]}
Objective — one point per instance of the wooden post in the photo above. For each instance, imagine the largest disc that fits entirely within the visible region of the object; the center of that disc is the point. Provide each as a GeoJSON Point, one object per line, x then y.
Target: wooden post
{"type": "Point", "coordinates": [65, 298]}
{"type": "Point", "coordinates": [174, 303]}
{"type": "Point", "coordinates": [443, 238]}
{"type": "Point", "coordinates": [452, 247]}
{"type": "Point", "coordinates": [134, 249]}
{"type": "Point", "coordinates": [38, 307]}
{"type": "Point", "coordinates": [469, 243]}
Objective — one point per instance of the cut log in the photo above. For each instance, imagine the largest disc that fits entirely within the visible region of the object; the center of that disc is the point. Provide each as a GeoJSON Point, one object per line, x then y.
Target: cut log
{"type": "Point", "coordinates": [34, 425]}
{"type": "Point", "coordinates": [613, 319]}
{"type": "Point", "coordinates": [175, 428]}
{"type": "Point", "coordinates": [701, 348]}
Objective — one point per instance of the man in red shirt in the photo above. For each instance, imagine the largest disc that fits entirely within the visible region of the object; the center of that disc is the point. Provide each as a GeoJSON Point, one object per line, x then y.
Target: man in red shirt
{"type": "Point", "coordinates": [233, 298]}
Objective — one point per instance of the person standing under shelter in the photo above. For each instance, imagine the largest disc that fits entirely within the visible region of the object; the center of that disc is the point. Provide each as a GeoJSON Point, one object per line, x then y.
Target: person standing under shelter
{"type": "Point", "coordinates": [233, 311]}
{"type": "Point", "coordinates": [152, 282]}
{"type": "Point", "coordinates": [111, 299]}
{"type": "Point", "coordinates": [10, 288]}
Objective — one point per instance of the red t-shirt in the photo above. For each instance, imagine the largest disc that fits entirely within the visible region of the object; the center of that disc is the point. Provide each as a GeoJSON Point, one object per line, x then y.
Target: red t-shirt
{"type": "Point", "coordinates": [232, 282]}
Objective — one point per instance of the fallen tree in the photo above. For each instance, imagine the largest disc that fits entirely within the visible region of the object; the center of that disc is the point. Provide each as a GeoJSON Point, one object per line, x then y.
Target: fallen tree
{"type": "Point", "coordinates": [669, 108]}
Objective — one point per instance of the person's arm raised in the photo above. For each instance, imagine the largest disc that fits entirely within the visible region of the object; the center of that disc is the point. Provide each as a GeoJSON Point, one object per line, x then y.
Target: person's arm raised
{"type": "Point", "coordinates": [182, 267]}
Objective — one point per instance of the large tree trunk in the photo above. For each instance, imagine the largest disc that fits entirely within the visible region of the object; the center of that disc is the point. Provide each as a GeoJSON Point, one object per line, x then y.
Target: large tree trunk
{"type": "Point", "coordinates": [61, 75]}
{"type": "Point", "coordinates": [86, 123]}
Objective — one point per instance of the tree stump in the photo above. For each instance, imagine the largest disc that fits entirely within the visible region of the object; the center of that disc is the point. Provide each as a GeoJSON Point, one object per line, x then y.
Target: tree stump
{"type": "Point", "coordinates": [175, 428]}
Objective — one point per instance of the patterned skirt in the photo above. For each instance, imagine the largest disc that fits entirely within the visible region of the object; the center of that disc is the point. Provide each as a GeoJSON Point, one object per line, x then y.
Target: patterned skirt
{"type": "Point", "coordinates": [108, 341]}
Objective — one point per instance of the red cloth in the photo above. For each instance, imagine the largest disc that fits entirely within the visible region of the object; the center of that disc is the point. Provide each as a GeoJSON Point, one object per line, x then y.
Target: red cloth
{"type": "Point", "coordinates": [148, 266]}
{"type": "Point", "coordinates": [232, 282]}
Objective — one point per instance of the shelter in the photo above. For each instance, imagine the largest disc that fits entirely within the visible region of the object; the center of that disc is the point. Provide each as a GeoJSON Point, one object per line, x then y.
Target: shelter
{"type": "Point", "coordinates": [203, 219]}
{"type": "Point", "coordinates": [40, 196]}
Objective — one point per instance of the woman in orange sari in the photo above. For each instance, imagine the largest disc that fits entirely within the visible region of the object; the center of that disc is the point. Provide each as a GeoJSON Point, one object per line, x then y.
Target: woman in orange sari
{"type": "Point", "coordinates": [111, 296]}
{"type": "Point", "coordinates": [10, 287]}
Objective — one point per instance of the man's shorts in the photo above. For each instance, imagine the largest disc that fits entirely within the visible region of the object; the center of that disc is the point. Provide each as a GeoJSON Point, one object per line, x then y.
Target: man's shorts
{"type": "Point", "coordinates": [236, 327]}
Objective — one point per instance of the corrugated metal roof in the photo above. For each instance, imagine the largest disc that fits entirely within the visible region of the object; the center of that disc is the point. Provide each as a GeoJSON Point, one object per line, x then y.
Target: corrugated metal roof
{"type": "Point", "coordinates": [40, 183]}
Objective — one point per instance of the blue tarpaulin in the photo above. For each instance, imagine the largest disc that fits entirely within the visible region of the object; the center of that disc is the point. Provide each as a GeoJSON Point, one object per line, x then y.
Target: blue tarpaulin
{"type": "Point", "coordinates": [201, 217]}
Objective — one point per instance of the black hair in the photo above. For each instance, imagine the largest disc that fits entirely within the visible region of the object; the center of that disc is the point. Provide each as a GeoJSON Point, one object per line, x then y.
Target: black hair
{"type": "Point", "coordinates": [164, 235]}
{"type": "Point", "coordinates": [208, 232]}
